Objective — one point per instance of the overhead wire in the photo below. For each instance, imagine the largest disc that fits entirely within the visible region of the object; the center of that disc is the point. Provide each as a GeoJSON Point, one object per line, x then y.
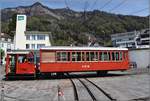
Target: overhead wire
{"type": "Point", "coordinates": [138, 11]}
{"type": "Point", "coordinates": [108, 2]}
{"type": "Point", "coordinates": [117, 6]}
{"type": "Point", "coordinates": [93, 4]}
{"type": "Point", "coordinates": [66, 4]}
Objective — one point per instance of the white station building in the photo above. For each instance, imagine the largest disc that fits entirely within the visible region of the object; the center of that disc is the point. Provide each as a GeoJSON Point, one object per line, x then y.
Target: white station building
{"type": "Point", "coordinates": [29, 39]}
{"type": "Point", "coordinates": [6, 44]}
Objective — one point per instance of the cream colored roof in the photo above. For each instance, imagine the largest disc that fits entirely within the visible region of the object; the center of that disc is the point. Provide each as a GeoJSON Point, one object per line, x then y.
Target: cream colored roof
{"type": "Point", "coordinates": [81, 48]}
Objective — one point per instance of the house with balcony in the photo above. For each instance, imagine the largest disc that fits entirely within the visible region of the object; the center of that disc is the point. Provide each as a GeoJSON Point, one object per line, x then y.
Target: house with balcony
{"type": "Point", "coordinates": [134, 39]}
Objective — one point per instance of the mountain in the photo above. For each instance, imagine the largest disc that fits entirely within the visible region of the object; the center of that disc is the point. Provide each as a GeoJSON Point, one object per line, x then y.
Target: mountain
{"type": "Point", "coordinates": [69, 26]}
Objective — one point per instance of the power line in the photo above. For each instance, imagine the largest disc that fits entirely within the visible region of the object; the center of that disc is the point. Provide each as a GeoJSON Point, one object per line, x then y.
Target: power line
{"type": "Point", "coordinates": [106, 4]}
{"type": "Point", "coordinates": [141, 10]}
{"type": "Point", "coordinates": [66, 4]}
{"type": "Point", "coordinates": [86, 5]}
{"type": "Point", "coordinates": [94, 4]}
{"type": "Point", "coordinates": [101, 7]}
{"type": "Point", "coordinates": [121, 3]}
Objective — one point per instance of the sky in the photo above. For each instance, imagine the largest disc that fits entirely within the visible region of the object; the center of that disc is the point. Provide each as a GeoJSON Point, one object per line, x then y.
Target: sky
{"type": "Point", "coordinates": [125, 7]}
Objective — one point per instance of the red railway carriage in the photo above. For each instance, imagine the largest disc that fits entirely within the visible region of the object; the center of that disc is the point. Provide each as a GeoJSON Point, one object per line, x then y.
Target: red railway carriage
{"type": "Point", "coordinates": [78, 59]}
{"type": "Point", "coordinates": [61, 59]}
{"type": "Point", "coordinates": [19, 63]}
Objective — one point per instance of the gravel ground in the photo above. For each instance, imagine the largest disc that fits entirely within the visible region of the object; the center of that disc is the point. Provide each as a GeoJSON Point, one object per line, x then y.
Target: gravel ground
{"type": "Point", "coordinates": [122, 88]}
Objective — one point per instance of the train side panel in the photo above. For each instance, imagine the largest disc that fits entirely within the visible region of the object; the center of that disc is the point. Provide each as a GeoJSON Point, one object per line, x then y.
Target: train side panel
{"type": "Point", "coordinates": [72, 66]}
{"type": "Point", "coordinates": [25, 68]}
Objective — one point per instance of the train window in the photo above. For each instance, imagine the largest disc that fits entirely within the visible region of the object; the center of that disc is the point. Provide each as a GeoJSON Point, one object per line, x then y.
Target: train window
{"type": "Point", "coordinates": [117, 56]}
{"type": "Point", "coordinates": [48, 56]}
{"type": "Point", "coordinates": [113, 56]}
{"type": "Point", "coordinates": [87, 56]}
{"type": "Point", "coordinates": [108, 55]}
{"type": "Point", "coordinates": [83, 56]}
{"type": "Point", "coordinates": [63, 56]}
{"type": "Point", "coordinates": [58, 56]}
{"type": "Point", "coordinates": [93, 56]}
{"type": "Point", "coordinates": [120, 56]}
{"type": "Point", "coordinates": [22, 59]}
{"type": "Point", "coordinates": [78, 56]}
{"type": "Point", "coordinates": [125, 55]}
{"type": "Point", "coordinates": [74, 56]}
{"type": "Point", "coordinates": [68, 54]}
{"type": "Point", "coordinates": [12, 60]}
{"type": "Point", "coordinates": [101, 56]}
{"type": "Point", "coordinates": [105, 56]}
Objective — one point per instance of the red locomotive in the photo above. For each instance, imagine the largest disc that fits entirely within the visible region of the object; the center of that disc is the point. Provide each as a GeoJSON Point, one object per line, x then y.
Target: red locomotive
{"type": "Point", "coordinates": [60, 59]}
{"type": "Point", "coordinates": [19, 63]}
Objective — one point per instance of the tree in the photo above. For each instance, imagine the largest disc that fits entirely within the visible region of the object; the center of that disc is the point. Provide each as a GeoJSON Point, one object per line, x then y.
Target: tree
{"type": "Point", "coordinates": [12, 24]}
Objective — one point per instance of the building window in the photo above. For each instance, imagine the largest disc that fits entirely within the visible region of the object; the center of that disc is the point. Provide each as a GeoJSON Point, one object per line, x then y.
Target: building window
{"type": "Point", "coordinates": [33, 46]}
{"type": "Point", "coordinates": [9, 40]}
{"type": "Point", "coordinates": [27, 46]}
{"type": "Point", "coordinates": [40, 46]}
{"type": "Point", "coordinates": [27, 37]}
{"type": "Point", "coordinates": [3, 39]}
{"type": "Point", "coordinates": [2, 45]}
{"type": "Point", "coordinates": [40, 37]}
{"type": "Point", "coordinates": [33, 37]}
{"type": "Point", "coordinates": [8, 46]}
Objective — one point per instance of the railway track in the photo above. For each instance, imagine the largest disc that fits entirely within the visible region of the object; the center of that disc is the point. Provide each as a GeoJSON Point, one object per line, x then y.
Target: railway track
{"type": "Point", "coordinates": [94, 95]}
{"type": "Point", "coordinates": [100, 89]}
{"type": "Point", "coordinates": [76, 98]}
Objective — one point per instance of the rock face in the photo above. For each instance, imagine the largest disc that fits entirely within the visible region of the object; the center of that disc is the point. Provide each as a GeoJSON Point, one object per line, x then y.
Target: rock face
{"type": "Point", "coordinates": [36, 9]}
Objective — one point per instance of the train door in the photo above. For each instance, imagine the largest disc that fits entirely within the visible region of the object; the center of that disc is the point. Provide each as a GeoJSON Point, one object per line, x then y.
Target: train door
{"type": "Point", "coordinates": [20, 64]}
{"type": "Point", "coordinates": [11, 64]}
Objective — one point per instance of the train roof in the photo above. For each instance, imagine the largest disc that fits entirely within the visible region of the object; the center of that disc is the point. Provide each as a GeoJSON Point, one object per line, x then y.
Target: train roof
{"type": "Point", "coordinates": [26, 51]}
{"type": "Point", "coordinates": [81, 48]}
{"type": "Point", "coordinates": [18, 52]}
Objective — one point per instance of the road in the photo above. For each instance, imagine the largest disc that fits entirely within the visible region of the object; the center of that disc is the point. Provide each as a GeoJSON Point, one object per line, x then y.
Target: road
{"type": "Point", "coordinates": [121, 88]}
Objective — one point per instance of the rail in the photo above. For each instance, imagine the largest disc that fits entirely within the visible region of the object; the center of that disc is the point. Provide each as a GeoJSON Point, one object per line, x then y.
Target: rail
{"type": "Point", "coordinates": [76, 98]}
{"type": "Point", "coordinates": [105, 93]}
{"type": "Point", "coordinates": [89, 91]}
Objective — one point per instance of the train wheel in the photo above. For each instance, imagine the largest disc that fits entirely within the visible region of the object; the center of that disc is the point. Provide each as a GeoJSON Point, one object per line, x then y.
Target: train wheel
{"type": "Point", "coordinates": [102, 73]}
